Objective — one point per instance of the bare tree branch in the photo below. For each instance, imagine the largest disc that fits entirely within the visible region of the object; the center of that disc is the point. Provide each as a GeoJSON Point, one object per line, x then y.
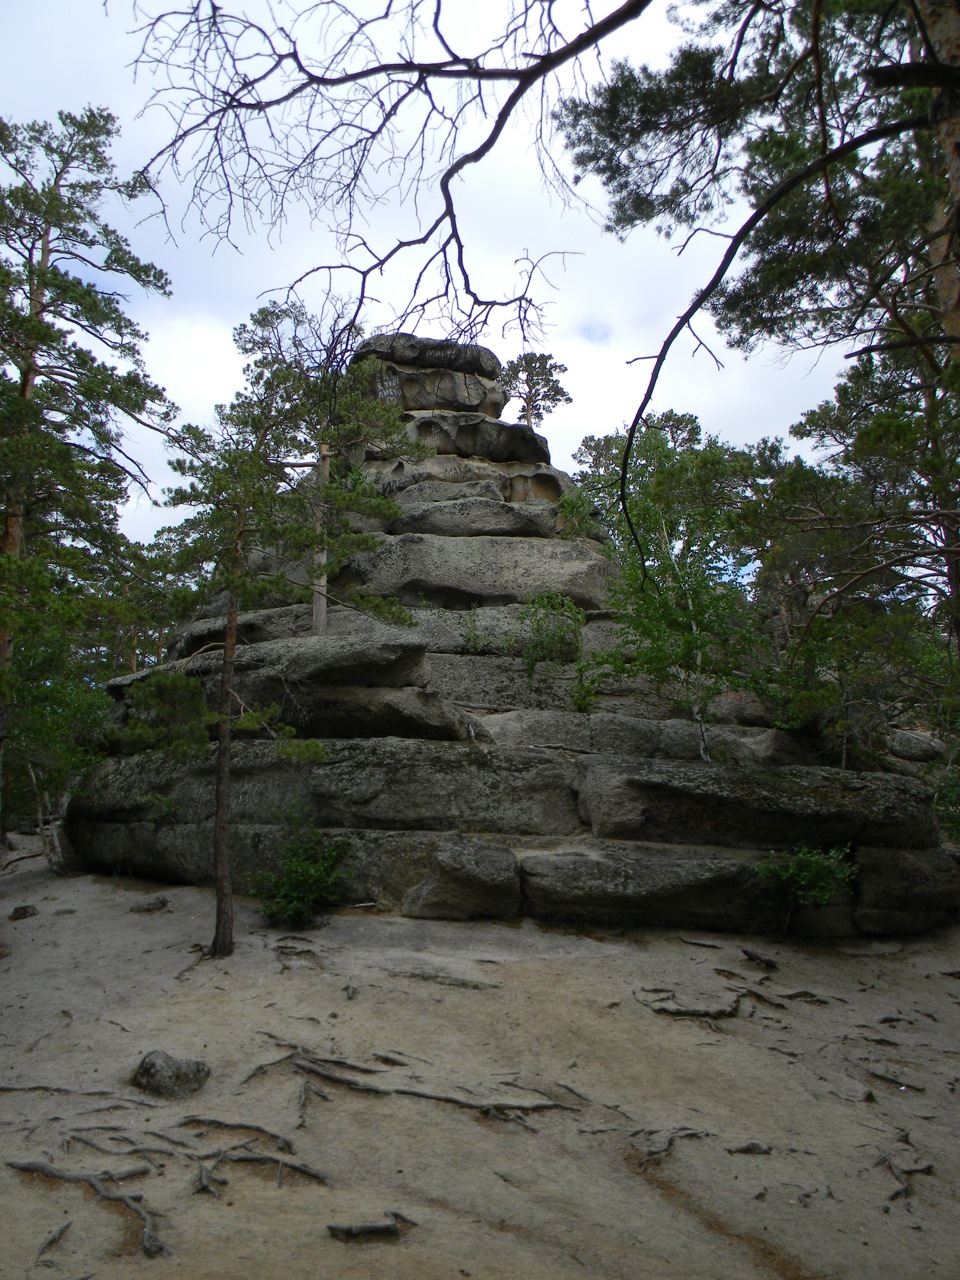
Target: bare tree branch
{"type": "Point", "coordinates": [347, 106]}
{"type": "Point", "coordinates": [738, 240]}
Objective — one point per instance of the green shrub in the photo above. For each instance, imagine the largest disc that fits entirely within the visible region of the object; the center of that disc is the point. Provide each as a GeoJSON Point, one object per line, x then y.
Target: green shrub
{"type": "Point", "coordinates": [165, 711]}
{"type": "Point", "coordinates": [161, 808]}
{"type": "Point", "coordinates": [303, 751]}
{"type": "Point", "coordinates": [473, 635]}
{"type": "Point", "coordinates": [583, 691]}
{"type": "Point", "coordinates": [554, 625]}
{"type": "Point", "coordinates": [809, 877]}
{"type": "Point", "coordinates": [578, 515]}
{"type": "Point", "coordinates": [306, 878]}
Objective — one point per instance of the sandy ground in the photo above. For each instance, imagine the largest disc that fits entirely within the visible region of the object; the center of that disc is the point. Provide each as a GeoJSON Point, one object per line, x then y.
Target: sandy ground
{"type": "Point", "coordinates": [535, 1104]}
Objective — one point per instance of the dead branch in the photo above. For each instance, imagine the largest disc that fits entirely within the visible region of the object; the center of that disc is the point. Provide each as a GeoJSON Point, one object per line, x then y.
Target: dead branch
{"type": "Point", "coordinates": [151, 1244]}
{"type": "Point", "coordinates": [821, 165]}
{"type": "Point", "coordinates": [266, 115]}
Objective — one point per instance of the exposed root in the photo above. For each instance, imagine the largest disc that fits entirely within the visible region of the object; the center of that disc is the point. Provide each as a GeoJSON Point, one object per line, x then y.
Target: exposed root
{"type": "Point", "coordinates": [672, 1008]}
{"type": "Point", "coordinates": [307, 1090]}
{"type": "Point", "coordinates": [282, 1143]}
{"type": "Point", "coordinates": [659, 1145]}
{"type": "Point", "coordinates": [398, 1223]}
{"type": "Point", "coordinates": [902, 1174]}
{"type": "Point", "coordinates": [23, 857]}
{"type": "Point", "coordinates": [52, 1239]}
{"type": "Point", "coordinates": [332, 1070]}
{"type": "Point", "coordinates": [151, 1244]}
{"type": "Point", "coordinates": [252, 1157]}
{"type": "Point", "coordinates": [208, 1181]}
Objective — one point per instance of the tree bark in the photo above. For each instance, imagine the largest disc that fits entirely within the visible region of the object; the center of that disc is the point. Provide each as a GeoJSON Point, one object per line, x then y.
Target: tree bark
{"type": "Point", "coordinates": [941, 24]}
{"type": "Point", "coordinates": [11, 540]}
{"type": "Point", "coordinates": [318, 624]}
{"type": "Point", "coordinates": [222, 944]}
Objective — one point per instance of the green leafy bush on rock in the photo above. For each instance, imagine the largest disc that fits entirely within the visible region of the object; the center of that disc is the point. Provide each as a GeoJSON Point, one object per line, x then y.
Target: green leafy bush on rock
{"type": "Point", "coordinates": [554, 631]}
{"type": "Point", "coordinates": [306, 878]}
{"type": "Point", "coordinates": [809, 877]}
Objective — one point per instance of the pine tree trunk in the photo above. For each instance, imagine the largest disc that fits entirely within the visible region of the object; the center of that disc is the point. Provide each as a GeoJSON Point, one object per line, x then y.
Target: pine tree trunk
{"type": "Point", "coordinates": [222, 944]}
{"type": "Point", "coordinates": [11, 540]}
{"type": "Point", "coordinates": [941, 20]}
{"type": "Point", "coordinates": [11, 544]}
{"type": "Point", "coordinates": [318, 622]}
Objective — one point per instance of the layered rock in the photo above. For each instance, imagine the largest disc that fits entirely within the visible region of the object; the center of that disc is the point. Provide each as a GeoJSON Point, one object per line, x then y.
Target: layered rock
{"type": "Point", "coordinates": [469, 787]}
{"type": "Point", "coordinates": [431, 373]}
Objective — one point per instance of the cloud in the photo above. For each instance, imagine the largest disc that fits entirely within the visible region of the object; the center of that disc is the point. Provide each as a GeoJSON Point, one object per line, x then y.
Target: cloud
{"type": "Point", "coordinates": [608, 301]}
{"type": "Point", "coordinates": [597, 332]}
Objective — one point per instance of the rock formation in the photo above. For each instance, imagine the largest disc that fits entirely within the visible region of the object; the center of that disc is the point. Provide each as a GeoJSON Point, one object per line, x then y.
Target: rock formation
{"type": "Point", "coordinates": [429, 373]}
{"type": "Point", "coordinates": [469, 788]}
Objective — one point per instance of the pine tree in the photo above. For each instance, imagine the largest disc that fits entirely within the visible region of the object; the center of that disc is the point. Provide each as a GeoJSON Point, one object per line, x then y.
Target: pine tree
{"type": "Point", "coordinates": [830, 124]}
{"type": "Point", "coordinates": [63, 470]}
{"type": "Point", "coordinates": [272, 485]}
{"type": "Point", "coordinates": [533, 379]}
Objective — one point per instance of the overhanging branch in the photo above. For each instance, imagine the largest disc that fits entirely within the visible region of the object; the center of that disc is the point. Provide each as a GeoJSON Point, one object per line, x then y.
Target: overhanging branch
{"type": "Point", "coordinates": [816, 167]}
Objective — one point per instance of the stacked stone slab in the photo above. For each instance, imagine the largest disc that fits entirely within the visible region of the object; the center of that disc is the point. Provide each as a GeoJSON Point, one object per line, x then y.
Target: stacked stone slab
{"type": "Point", "coordinates": [469, 789]}
{"type": "Point", "coordinates": [431, 374]}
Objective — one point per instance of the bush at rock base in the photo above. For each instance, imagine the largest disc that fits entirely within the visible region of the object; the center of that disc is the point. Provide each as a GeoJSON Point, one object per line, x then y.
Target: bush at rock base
{"type": "Point", "coordinates": [809, 877]}
{"type": "Point", "coordinates": [306, 879]}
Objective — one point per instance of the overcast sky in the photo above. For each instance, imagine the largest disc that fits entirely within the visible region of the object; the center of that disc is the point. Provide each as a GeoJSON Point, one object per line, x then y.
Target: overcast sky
{"type": "Point", "coordinates": [609, 301]}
